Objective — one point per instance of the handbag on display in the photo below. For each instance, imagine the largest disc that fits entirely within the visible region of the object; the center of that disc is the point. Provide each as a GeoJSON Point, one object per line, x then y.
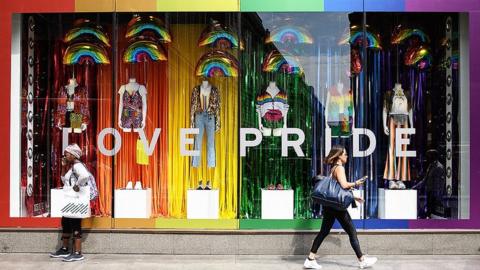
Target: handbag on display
{"type": "Point", "coordinates": [76, 204]}
{"type": "Point", "coordinates": [328, 192]}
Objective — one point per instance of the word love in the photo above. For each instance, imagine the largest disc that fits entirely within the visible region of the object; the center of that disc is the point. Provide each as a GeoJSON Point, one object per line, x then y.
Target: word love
{"type": "Point", "coordinates": [400, 135]}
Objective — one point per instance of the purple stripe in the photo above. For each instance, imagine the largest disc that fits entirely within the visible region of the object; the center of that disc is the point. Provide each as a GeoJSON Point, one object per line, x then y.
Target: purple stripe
{"type": "Point", "coordinates": [442, 5]}
{"type": "Point", "coordinates": [474, 221]}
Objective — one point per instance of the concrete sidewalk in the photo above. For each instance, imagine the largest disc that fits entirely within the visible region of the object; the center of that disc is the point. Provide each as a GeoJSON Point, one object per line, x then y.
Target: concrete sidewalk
{"type": "Point", "coordinates": [213, 262]}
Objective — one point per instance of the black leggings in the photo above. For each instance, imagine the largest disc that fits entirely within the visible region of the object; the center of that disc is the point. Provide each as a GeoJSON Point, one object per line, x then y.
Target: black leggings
{"type": "Point", "coordinates": [343, 217]}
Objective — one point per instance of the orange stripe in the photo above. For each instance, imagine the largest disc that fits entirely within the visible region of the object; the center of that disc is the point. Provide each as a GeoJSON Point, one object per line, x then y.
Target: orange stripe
{"type": "Point", "coordinates": [98, 6]}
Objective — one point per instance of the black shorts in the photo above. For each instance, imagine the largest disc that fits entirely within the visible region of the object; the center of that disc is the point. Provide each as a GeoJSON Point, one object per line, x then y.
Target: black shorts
{"type": "Point", "coordinates": [72, 225]}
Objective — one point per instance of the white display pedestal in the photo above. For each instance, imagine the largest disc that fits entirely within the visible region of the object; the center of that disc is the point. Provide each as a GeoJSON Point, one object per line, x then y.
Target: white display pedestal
{"type": "Point", "coordinates": [56, 202]}
{"type": "Point", "coordinates": [202, 204]}
{"type": "Point", "coordinates": [133, 203]}
{"type": "Point", "coordinates": [357, 213]}
{"type": "Point", "coordinates": [397, 204]}
{"type": "Point", "coordinates": [277, 204]}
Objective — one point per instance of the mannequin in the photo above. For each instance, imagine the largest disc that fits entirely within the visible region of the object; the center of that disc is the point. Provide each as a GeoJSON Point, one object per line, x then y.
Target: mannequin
{"type": "Point", "coordinates": [339, 112]}
{"type": "Point", "coordinates": [397, 113]}
{"type": "Point", "coordinates": [73, 105]}
{"type": "Point", "coordinates": [132, 108]}
{"type": "Point", "coordinates": [205, 115]}
{"type": "Point", "coordinates": [272, 108]}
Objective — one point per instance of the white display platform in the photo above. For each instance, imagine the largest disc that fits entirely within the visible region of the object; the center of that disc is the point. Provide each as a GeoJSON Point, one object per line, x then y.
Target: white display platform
{"type": "Point", "coordinates": [397, 204]}
{"type": "Point", "coordinates": [56, 202]}
{"type": "Point", "coordinates": [202, 204]}
{"type": "Point", "coordinates": [133, 203]}
{"type": "Point", "coordinates": [357, 213]}
{"type": "Point", "coordinates": [277, 204]}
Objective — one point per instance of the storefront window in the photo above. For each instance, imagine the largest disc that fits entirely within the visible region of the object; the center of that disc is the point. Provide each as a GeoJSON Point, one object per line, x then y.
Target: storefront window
{"type": "Point", "coordinates": [229, 115]}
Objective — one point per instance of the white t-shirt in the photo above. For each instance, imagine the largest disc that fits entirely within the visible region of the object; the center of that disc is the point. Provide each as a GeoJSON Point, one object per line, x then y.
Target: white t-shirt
{"type": "Point", "coordinates": [80, 177]}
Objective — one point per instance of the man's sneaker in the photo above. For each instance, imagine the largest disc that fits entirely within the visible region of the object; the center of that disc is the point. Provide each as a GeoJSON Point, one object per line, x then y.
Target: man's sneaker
{"type": "Point", "coordinates": [401, 185]}
{"type": "Point", "coordinates": [367, 262]}
{"type": "Point", "coordinates": [60, 253]}
{"type": "Point", "coordinates": [311, 264]}
{"type": "Point", "coordinates": [75, 256]}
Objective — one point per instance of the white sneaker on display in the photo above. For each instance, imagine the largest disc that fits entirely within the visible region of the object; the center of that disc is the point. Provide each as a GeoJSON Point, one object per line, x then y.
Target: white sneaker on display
{"type": "Point", "coordinates": [401, 185]}
{"type": "Point", "coordinates": [367, 262]}
{"type": "Point", "coordinates": [311, 264]}
{"type": "Point", "coordinates": [392, 185]}
{"type": "Point", "coordinates": [129, 185]}
{"type": "Point", "coordinates": [138, 185]}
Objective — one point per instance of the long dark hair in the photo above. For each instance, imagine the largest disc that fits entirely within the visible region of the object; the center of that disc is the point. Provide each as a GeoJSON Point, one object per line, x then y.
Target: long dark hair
{"type": "Point", "coordinates": [335, 152]}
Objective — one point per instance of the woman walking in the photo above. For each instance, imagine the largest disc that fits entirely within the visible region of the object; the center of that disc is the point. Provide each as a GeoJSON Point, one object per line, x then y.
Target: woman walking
{"type": "Point", "coordinates": [74, 174]}
{"type": "Point", "coordinates": [336, 159]}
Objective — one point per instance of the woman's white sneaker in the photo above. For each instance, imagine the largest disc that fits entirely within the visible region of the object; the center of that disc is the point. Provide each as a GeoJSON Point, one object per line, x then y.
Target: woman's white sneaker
{"type": "Point", "coordinates": [311, 264]}
{"type": "Point", "coordinates": [367, 262]}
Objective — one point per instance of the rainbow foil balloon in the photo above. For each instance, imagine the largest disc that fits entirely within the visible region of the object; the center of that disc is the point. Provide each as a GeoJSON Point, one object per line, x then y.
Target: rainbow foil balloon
{"type": "Point", "coordinates": [290, 35]}
{"type": "Point", "coordinates": [400, 35]}
{"type": "Point", "coordinates": [217, 64]}
{"type": "Point", "coordinates": [220, 40]}
{"type": "Point", "coordinates": [276, 61]}
{"type": "Point", "coordinates": [356, 35]}
{"type": "Point", "coordinates": [85, 32]}
{"type": "Point", "coordinates": [141, 25]}
{"type": "Point", "coordinates": [81, 53]}
{"type": "Point", "coordinates": [144, 50]}
{"type": "Point", "coordinates": [419, 57]}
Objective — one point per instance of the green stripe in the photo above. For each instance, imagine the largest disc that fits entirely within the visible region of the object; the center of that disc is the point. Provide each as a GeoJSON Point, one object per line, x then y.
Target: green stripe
{"type": "Point", "coordinates": [280, 224]}
{"type": "Point", "coordinates": [282, 5]}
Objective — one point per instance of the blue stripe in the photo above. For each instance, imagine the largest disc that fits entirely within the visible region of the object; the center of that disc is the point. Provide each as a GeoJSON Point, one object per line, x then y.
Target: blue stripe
{"type": "Point", "coordinates": [385, 5]}
{"type": "Point", "coordinates": [343, 5]}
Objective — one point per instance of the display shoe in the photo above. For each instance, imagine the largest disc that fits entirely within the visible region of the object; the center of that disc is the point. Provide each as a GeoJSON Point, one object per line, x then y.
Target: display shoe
{"type": "Point", "coordinates": [280, 186]}
{"type": "Point", "coordinates": [208, 187]}
{"type": "Point", "coordinates": [200, 187]}
{"type": "Point", "coordinates": [392, 185]}
{"type": "Point", "coordinates": [401, 185]}
{"type": "Point", "coordinates": [367, 262]}
{"type": "Point", "coordinates": [138, 185]}
{"type": "Point", "coordinates": [271, 187]}
{"type": "Point", "coordinates": [129, 185]}
{"type": "Point", "coordinates": [311, 264]}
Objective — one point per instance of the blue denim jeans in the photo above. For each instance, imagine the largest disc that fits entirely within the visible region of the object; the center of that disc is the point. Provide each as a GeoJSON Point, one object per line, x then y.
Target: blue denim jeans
{"type": "Point", "coordinates": [205, 122]}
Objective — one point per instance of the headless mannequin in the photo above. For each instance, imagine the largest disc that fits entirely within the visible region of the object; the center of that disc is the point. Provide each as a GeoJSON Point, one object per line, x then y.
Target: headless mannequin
{"type": "Point", "coordinates": [70, 87]}
{"type": "Point", "coordinates": [402, 98]}
{"type": "Point", "coordinates": [399, 107]}
{"type": "Point", "coordinates": [205, 90]}
{"type": "Point", "coordinates": [273, 91]}
{"type": "Point", "coordinates": [341, 90]}
{"type": "Point", "coordinates": [131, 87]}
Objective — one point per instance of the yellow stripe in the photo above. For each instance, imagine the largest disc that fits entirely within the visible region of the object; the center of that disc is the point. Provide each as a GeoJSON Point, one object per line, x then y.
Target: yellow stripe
{"type": "Point", "coordinates": [134, 223]}
{"type": "Point", "coordinates": [213, 224]}
{"type": "Point", "coordinates": [97, 223]}
{"type": "Point", "coordinates": [137, 5]}
{"type": "Point", "coordinates": [198, 5]}
{"type": "Point", "coordinates": [94, 6]}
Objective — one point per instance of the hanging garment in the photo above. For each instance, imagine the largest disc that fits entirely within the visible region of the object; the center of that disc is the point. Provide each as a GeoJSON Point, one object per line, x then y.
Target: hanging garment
{"type": "Point", "coordinates": [212, 109]}
{"type": "Point", "coordinates": [340, 112]}
{"type": "Point", "coordinates": [272, 109]}
{"type": "Point", "coordinates": [132, 111]}
{"type": "Point", "coordinates": [396, 168]}
{"type": "Point", "coordinates": [76, 105]}
{"type": "Point", "coordinates": [142, 157]}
